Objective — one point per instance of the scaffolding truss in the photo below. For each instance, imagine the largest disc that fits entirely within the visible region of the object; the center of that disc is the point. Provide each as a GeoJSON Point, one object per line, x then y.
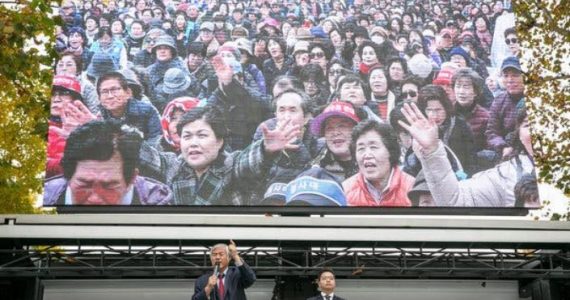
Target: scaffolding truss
{"type": "Point", "coordinates": [106, 261]}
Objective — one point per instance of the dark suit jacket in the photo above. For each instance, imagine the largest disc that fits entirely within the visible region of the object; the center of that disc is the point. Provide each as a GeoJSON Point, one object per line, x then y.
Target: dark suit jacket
{"type": "Point", "coordinates": [236, 281]}
{"type": "Point", "coordinates": [319, 297]}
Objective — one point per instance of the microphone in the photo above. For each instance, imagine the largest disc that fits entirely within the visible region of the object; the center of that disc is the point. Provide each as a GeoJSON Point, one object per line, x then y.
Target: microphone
{"type": "Point", "coordinates": [217, 269]}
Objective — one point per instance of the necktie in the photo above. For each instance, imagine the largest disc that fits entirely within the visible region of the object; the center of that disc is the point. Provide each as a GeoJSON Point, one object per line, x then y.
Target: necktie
{"type": "Point", "coordinates": [327, 297]}
{"type": "Point", "coordinates": [221, 288]}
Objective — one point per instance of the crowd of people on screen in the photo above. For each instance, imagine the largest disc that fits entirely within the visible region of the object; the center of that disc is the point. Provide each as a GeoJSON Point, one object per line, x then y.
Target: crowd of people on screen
{"type": "Point", "coordinates": [288, 102]}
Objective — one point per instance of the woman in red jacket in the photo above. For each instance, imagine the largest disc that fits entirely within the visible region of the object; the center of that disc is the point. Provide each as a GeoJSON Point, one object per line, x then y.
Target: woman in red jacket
{"type": "Point", "coordinates": [379, 181]}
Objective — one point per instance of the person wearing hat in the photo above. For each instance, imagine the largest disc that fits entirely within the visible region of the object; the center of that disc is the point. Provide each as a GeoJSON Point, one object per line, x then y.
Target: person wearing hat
{"type": "Point", "coordinates": [71, 65]}
{"type": "Point", "coordinates": [445, 43]}
{"type": "Point", "coordinates": [444, 77]}
{"type": "Point", "coordinates": [335, 124]}
{"type": "Point", "coordinates": [117, 103]}
{"type": "Point", "coordinates": [145, 57]}
{"type": "Point", "coordinates": [420, 194]}
{"type": "Point", "coordinates": [245, 48]}
{"type": "Point", "coordinates": [222, 30]}
{"type": "Point", "coordinates": [101, 63]}
{"type": "Point", "coordinates": [201, 68]}
{"type": "Point", "coordinates": [165, 52]}
{"type": "Point", "coordinates": [177, 83]}
{"type": "Point", "coordinates": [172, 114]}
{"type": "Point", "coordinates": [490, 188]}
{"type": "Point", "coordinates": [502, 119]}
{"type": "Point", "coordinates": [315, 187]}
{"type": "Point", "coordinates": [65, 91]}
{"type": "Point", "coordinates": [379, 181]}
{"type": "Point", "coordinates": [206, 36]}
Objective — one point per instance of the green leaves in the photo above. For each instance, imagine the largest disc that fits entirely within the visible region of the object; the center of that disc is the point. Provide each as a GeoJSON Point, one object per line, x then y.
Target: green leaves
{"type": "Point", "coordinates": [25, 81]}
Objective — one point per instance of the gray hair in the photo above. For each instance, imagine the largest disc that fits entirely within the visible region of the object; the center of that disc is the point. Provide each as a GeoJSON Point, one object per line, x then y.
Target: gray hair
{"type": "Point", "coordinates": [220, 245]}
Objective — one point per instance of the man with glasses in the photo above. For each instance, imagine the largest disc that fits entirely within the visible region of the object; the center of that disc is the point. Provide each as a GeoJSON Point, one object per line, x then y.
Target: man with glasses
{"type": "Point", "coordinates": [116, 104]}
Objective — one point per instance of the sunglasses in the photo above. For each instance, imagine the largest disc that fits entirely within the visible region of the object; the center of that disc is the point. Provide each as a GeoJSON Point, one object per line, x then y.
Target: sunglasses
{"type": "Point", "coordinates": [317, 55]}
{"type": "Point", "coordinates": [411, 94]}
{"type": "Point", "coordinates": [511, 41]}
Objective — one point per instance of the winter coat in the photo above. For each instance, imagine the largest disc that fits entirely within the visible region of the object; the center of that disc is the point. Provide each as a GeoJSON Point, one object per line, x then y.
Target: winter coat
{"type": "Point", "coordinates": [477, 117]}
{"type": "Point", "coordinates": [141, 115]}
{"type": "Point", "coordinates": [226, 182]}
{"type": "Point", "coordinates": [490, 188]}
{"type": "Point", "coordinates": [502, 121]}
{"type": "Point", "coordinates": [242, 112]}
{"type": "Point", "coordinates": [270, 70]}
{"type": "Point", "coordinates": [357, 190]}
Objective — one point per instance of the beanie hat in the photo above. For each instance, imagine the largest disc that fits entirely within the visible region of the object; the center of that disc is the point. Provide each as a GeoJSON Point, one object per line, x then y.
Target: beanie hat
{"type": "Point", "coordinates": [420, 65]}
{"type": "Point", "coordinates": [239, 32]}
{"type": "Point", "coordinates": [360, 31]}
{"type": "Point", "coordinates": [68, 83]}
{"type": "Point", "coordinates": [101, 63]}
{"type": "Point", "coordinates": [175, 81]}
{"type": "Point", "coordinates": [304, 34]}
{"type": "Point", "coordinates": [165, 40]}
{"type": "Point", "coordinates": [207, 26]}
{"type": "Point", "coordinates": [459, 51]}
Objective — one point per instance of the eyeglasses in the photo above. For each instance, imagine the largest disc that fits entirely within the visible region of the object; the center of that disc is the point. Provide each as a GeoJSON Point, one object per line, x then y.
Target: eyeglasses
{"type": "Point", "coordinates": [114, 91]}
{"type": "Point", "coordinates": [316, 55]}
{"type": "Point", "coordinates": [67, 7]}
{"type": "Point", "coordinates": [411, 94]}
{"type": "Point", "coordinates": [435, 111]}
{"type": "Point", "coordinates": [511, 41]}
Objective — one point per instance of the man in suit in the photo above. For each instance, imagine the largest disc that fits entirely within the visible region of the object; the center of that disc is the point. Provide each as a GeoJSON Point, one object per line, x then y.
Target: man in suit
{"type": "Point", "coordinates": [228, 283]}
{"type": "Point", "coordinates": [327, 284]}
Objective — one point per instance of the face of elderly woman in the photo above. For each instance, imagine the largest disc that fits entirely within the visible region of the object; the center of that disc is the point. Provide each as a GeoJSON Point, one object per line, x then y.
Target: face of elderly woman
{"type": "Point", "coordinates": [199, 145]}
{"type": "Point", "coordinates": [369, 56]}
{"type": "Point", "coordinates": [378, 82]}
{"type": "Point", "coordinates": [372, 157]}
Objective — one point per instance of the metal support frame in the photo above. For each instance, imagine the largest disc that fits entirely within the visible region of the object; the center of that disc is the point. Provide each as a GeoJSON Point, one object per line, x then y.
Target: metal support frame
{"type": "Point", "coordinates": [101, 261]}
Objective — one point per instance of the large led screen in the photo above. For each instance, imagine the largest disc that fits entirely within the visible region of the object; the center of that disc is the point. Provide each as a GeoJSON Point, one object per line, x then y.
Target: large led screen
{"type": "Point", "coordinates": [289, 103]}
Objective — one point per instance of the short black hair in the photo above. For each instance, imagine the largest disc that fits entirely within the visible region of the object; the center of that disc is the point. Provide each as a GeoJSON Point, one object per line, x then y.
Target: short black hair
{"type": "Point", "coordinates": [312, 72]}
{"type": "Point", "coordinates": [325, 270]}
{"type": "Point", "coordinates": [112, 75]}
{"type": "Point", "coordinates": [510, 30]}
{"type": "Point", "coordinates": [197, 48]}
{"type": "Point", "coordinates": [434, 92]}
{"type": "Point", "coordinates": [387, 135]}
{"type": "Point", "coordinates": [526, 189]}
{"type": "Point", "coordinates": [99, 140]}
{"type": "Point", "coordinates": [210, 115]}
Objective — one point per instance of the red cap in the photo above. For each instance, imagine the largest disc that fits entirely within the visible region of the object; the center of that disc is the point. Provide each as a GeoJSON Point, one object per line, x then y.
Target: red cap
{"type": "Point", "coordinates": [67, 82]}
{"type": "Point", "coordinates": [335, 109]}
{"type": "Point", "coordinates": [444, 77]}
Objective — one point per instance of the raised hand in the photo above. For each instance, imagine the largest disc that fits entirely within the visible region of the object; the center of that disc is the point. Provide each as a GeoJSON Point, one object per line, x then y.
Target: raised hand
{"type": "Point", "coordinates": [234, 254]}
{"type": "Point", "coordinates": [74, 115]}
{"type": "Point", "coordinates": [281, 138]}
{"type": "Point", "coordinates": [223, 71]}
{"type": "Point", "coordinates": [423, 131]}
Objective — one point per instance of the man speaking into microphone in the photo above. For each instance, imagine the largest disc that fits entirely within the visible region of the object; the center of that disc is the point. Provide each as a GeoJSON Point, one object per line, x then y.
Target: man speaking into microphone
{"type": "Point", "coordinates": [224, 282]}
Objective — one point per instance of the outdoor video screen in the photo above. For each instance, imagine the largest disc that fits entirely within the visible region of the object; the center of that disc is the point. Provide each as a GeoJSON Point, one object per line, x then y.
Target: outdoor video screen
{"type": "Point", "coordinates": [384, 103]}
